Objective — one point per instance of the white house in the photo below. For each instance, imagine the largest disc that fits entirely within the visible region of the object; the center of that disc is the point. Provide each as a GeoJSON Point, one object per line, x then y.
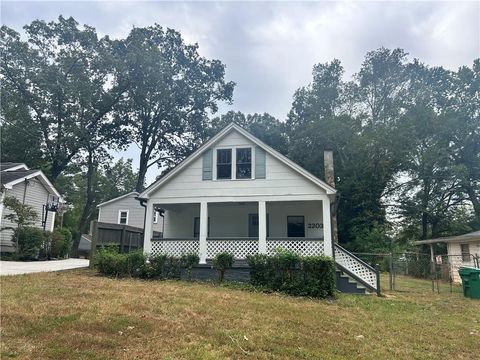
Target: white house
{"type": "Point", "coordinates": [127, 210]}
{"type": "Point", "coordinates": [239, 195]}
{"type": "Point", "coordinates": [462, 250]}
{"type": "Point", "coordinates": [31, 187]}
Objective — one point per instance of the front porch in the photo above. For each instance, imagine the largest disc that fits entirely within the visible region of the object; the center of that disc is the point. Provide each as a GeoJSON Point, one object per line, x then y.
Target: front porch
{"type": "Point", "coordinates": [242, 228]}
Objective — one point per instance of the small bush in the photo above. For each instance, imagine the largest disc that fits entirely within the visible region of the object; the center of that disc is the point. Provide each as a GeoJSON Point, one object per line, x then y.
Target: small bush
{"type": "Point", "coordinates": [109, 262]}
{"type": "Point", "coordinates": [189, 261]}
{"type": "Point", "coordinates": [134, 263]}
{"type": "Point", "coordinates": [293, 274]}
{"type": "Point", "coordinates": [222, 262]}
{"type": "Point", "coordinates": [57, 240]}
{"type": "Point", "coordinates": [67, 242]}
{"type": "Point", "coordinates": [29, 241]}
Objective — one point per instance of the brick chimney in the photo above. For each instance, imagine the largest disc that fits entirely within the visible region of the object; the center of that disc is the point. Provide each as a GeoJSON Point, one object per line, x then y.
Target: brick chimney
{"type": "Point", "coordinates": [330, 180]}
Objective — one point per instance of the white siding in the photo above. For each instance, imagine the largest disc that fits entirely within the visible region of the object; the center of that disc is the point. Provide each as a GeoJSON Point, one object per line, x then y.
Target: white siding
{"type": "Point", "coordinates": [280, 179]}
{"type": "Point", "coordinates": [35, 195]}
{"type": "Point", "coordinates": [108, 213]}
{"type": "Point", "coordinates": [455, 257]}
{"type": "Point", "coordinates": [231, 219]}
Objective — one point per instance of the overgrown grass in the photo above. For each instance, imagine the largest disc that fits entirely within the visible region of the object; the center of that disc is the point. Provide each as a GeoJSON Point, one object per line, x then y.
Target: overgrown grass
{"type": "Point", "coordinates": [78, 315]}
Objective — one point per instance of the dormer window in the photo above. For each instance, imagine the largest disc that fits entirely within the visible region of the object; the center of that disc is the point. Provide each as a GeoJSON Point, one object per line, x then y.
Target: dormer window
{"type": "Point", "coordinates": [224, 163]}
{"type": "Point", "coordinates": [244, 163]}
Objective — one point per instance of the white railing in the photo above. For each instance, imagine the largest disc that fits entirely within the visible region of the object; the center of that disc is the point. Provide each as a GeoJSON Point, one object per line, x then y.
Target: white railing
{"type": "Point", "coordinates": [356, 267]}
{"type": "Point", "coordinates": [174, 247]}
{"type": "Point", "coordinates": [239, 247]}
{"type": "Point", "coordinates": [300, 246]}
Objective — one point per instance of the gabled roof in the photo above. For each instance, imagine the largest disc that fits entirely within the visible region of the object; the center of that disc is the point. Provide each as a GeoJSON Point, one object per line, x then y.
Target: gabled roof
{"type": "Point", "coordinates": [11, 166]}
{"type": "Point", "coordinates": [10, 178]}
{"type": "Point", "coordinates": [118, 198]}
{"type": "Point", "coordinates": [473, 236]}
{"type": "Point", "coordinates": [256, 141]}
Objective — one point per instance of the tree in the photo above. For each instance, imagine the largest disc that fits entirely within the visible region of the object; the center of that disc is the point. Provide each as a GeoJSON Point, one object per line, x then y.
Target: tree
{"type": "Point", "coordinates": [172, 89]}
{"type": "Point", "coordinates": [60, 79]}
{"type": "Point", "coordinates": [20, 214]}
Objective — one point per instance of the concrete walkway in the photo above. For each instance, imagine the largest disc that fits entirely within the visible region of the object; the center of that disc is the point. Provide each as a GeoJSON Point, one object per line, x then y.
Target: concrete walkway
{"type": "Point", "coordinates": [27, 267]}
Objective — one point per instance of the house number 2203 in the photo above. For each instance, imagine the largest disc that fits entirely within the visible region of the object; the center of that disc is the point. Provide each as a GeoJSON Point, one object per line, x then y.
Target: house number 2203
{"type": "Point", "coordinates": [314, 225]}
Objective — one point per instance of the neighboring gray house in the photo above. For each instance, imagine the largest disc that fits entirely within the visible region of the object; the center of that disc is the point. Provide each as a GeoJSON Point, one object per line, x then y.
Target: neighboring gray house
{"type": "Point", "coordinates": [31, 187]}
{"type": "Point", "coordinates": [126, 210]}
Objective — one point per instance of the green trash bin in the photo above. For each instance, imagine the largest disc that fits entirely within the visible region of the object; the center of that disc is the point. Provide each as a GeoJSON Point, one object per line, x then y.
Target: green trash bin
{"type": "Point", "coordinates": [470, 282]}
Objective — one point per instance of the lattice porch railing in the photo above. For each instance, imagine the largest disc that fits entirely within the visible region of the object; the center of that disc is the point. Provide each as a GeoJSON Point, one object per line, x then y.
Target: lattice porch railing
{"type": "Point", "coordinates": [356, 267]}
{"type": "Point", "coordinates": [301, 246]}
{"type": "Point", "coordinates": [239, 247]}
{"type": "Point", "coordinates": [175, 247]}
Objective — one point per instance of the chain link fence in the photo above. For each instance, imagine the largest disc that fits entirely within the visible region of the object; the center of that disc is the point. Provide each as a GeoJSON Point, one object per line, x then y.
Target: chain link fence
{"type": "Point", "coordinates": [413, 271]}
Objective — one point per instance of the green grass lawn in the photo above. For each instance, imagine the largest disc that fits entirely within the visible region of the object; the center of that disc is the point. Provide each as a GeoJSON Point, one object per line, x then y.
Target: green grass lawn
{"type": "Point", "coordinates": [78, 315]}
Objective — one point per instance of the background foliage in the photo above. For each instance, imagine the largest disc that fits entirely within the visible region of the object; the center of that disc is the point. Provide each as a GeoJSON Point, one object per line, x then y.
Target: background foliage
{"type": "Point", "coordinates": [405, 135]}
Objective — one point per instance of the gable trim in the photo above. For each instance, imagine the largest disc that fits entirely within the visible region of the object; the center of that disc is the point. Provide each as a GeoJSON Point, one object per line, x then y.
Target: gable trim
{"type": "Point", "coordinates": [43, 179]}
{"type": "Point", "coordinates": [252, 138]}
{"type": "Point", "coordinates": [117, 198]}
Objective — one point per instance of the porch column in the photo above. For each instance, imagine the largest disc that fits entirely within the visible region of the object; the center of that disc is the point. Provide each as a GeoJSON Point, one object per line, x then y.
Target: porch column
{"type": "Point", "coordinates": [148, 231]}
{"type": "Point", "coordinates": [327, 227]}
{"type": "Point", "coordinates": [262, 227]}
{"type": "Point", "coordinates": [203, 232]}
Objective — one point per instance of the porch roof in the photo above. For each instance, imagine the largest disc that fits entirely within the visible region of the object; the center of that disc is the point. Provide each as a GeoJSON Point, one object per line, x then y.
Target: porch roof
{"type": "Point", "coordinates": [470, 237]}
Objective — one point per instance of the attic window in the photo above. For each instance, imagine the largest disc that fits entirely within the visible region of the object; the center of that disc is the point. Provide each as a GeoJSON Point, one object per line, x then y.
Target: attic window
{"type": "Point", "coordinates": [224, 163]}
{"type": "Point", "coordinates": [244, 163]}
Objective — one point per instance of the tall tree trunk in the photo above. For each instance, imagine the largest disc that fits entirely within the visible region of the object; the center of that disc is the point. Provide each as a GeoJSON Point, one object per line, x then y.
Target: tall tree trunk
{"type": "Point", "coordinates": [473, 198]}
{"type": "Point", "coordinates": [83, 228]}
{"type": "Point", "coordinates": [142, 172]}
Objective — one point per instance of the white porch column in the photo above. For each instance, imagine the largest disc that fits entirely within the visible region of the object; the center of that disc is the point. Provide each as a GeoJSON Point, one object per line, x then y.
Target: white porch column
{"type": "Point", "coordinates": [327, 227]}
{"type": "Point", "coordinates": [203, 232]}
{"type": "Point", "coordinates": [262, 227]}
{"type": "Point", "coordinates": [148, 231]}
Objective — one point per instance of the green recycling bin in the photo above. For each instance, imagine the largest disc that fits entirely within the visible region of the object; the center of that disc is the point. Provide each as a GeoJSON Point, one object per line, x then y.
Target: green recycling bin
{"type": "Point", "coordinates": [470, 282]}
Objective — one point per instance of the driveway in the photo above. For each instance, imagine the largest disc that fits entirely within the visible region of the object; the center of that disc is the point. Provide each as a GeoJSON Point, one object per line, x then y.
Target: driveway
{"type": "Point", "coordinates": [24, 267]}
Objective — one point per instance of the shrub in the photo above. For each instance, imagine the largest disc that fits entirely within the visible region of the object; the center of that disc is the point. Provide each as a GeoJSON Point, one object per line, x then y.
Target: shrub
{"type": "Point", "coordinates": [67, 242]}
{"type": "Point", "coordinates": [222, 262]}
{"type": "Point", "coordinates": [109, 262]}
{"type": "Point", "coordinates": [293, 274]}
{"type": "Point", "coordinates": [29, 241]}
{"type": "Point", "coordinates": [57, 240]}
{"type": "Point", "coordinates": [188, 261]}
{"type": "Point", "coordinates": [134, 263]}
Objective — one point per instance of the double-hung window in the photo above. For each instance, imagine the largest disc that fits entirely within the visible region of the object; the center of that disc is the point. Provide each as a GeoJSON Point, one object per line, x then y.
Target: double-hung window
{"type": "Point", "coordinates": [224, 163]}
{"type": "Point", "coordinates": [244, 163]}
{"type": "Point", "coordinates": [465, 249]}
{"type": "Point", "coordinates": [123, 217]}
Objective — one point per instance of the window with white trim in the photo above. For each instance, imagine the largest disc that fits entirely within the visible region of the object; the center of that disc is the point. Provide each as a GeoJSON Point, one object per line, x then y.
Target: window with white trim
{"type": "Point", "coordinates": [224, 163]}
{"type": "Point", "coordinates": [244, 163]}
{"type": "Point", "coordinates": [155, 217]}
{"type": "Point", "coordinates": [123, 217]}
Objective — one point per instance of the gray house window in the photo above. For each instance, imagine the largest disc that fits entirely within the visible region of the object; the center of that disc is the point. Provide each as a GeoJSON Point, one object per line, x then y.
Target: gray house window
{"type": "Point", "coordinates": [295, 226]}
{"type": "Point", "coordinates": [123, 217]}
{"type": "Point", "coordinates": [465, 249]}
{"type": "Point", "coordinates": [224, 163]}
{"type": "Point", "coordinates": [244, 163]}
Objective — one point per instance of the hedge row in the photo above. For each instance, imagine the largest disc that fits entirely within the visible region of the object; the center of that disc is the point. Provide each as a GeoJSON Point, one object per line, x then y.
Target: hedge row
{"type": "Point", "coordinates": [110, 262]}
{"type": "Point", "coordinates": [294, 274]}
{"type": "Point", "coordinates": [34, 243]}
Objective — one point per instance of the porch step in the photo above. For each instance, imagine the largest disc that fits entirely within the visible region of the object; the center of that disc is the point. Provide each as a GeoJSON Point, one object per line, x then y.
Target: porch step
{"type": "Point", "coordinates": [346, 284]}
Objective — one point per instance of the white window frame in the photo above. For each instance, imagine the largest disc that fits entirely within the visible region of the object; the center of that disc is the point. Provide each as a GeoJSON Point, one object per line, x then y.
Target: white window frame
{"type": "Point", "coordinates": [119, 216]}
{"type": "Point", "coordinates": [155, 217]}
{"type": "Point", "coordinates": [234, 162]}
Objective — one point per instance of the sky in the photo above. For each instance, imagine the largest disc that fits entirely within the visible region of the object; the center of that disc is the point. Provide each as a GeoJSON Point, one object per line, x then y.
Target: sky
{"type": "Point", "coordinates": [269, 48]}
